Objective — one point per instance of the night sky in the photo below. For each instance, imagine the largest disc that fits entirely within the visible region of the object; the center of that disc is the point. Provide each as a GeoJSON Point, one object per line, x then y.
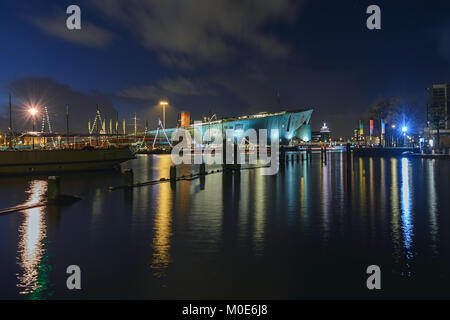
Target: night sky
{"type": "Point", "coordinates": [223, 57]}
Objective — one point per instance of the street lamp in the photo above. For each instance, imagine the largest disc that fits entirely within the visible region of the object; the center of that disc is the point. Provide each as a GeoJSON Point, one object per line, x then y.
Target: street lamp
{"type": "Point", "coordinates": [33, 111]}
{"type": "Point", "coordinates": [404, 129]}
{"type": "Point", "coordinates": [393, 126]}
{"type": "Point", "coordinates": [164, 103]}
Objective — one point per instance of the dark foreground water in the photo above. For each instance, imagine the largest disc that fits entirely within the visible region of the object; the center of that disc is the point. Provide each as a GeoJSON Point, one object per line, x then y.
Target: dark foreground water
{"type": "Point", "coordinates": [308, 232]}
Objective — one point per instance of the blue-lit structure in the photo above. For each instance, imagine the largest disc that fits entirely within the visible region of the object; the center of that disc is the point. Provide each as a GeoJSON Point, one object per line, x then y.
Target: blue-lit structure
{"type": "Point", "coordinates": [291, 125]}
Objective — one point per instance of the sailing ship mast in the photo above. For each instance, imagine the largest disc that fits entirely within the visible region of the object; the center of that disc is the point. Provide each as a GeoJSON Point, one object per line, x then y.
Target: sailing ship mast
{"type": "Point", "coordinates": [10, 123]}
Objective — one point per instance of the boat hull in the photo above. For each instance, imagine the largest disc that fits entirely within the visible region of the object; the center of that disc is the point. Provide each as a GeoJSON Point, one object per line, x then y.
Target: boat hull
{"type": "Point", "coordinates": [55, 161]}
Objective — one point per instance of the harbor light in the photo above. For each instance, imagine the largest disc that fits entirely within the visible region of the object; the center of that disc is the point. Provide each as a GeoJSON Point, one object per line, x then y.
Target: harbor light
{"type": "Point", "coordinates": [393, 126]}
{"type": "Point", "coordinates": [33, 111]}
{"type": "Point", "coordinates": [164, 103]}
{"type": "Point", "coordinates": [404, 129]}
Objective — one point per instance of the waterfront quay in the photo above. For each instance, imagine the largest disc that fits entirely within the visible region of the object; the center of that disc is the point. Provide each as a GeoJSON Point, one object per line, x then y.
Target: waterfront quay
{"type": "Point", "coordinates": [387, 152]}
{"type": "Point", "coordinates": [310, 231]}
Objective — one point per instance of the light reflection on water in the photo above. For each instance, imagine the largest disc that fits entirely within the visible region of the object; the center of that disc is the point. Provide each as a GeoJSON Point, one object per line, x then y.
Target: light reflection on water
{"type": "Point", "coordinates": [325, 191]}
{"type": "Point", "coordinates": [395, 208]}
{"type": "Point", "coordinates": [259, 216]}
{"type": "Point", "coordinates": [33, 278]}
{"type": "Point", "coordinates": [162, 226]}
{"type": "Point", "coordinates": [407, 217]}
{"type": "Point", "coordinates": [222, 233]}
{"type": "Point", "coordinates": [432, 205]}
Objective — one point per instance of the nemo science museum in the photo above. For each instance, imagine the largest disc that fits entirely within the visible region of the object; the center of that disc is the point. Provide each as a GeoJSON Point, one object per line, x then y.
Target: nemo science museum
{"type": "Point", "coordinates": [292, 125]}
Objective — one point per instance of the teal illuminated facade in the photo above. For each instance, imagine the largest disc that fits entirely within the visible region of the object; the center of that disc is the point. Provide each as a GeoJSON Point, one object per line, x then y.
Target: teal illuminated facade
{"type": "Point", "coordinates": [291, 125]}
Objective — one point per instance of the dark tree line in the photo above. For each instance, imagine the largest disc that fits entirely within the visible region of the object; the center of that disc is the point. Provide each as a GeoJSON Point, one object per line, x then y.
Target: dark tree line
{"type": "Point", "coordinates": [396, 111]}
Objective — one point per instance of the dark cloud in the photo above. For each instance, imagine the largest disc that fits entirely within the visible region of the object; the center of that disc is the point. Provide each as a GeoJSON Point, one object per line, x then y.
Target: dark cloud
{"type": "Point", "coordinates": [89, 35]}
{"type": "Point", "coordinates": [185, 86]}
{"type": "Point", "coordinates": [183, 94]}
{"type": "Point", "coordinates": [206, 30]}
{"type": "Point", "coordinates": [179, 61]}
{"type": "Point", "coordinates": [179, 86]}
{"type": "Point", "coordinates": [45, 92]}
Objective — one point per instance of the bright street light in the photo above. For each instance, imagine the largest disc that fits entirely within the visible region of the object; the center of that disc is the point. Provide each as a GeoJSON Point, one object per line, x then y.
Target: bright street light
{"type": "Point", "coordinates": [33, 111]}
{"type": "Point", "coordinates": [404, 129]}
{"type": "Point", "coordinates": [164, 103]}
{"type": "Point", "coordinates": [393, 126]}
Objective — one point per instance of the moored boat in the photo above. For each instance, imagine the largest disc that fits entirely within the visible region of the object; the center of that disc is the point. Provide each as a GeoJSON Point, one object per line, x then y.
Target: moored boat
{"type": "Point", "coordinates": [14, 162]}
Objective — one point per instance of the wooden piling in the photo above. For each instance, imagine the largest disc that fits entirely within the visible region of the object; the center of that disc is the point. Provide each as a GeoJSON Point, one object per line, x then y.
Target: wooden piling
{"type": "Point", "coordinates": [309, 154]}
{"type": "Point", "coordinates": [202, 170]}
{"type": "Point", "coordinates": [173, 173]}
{"type": "Point", "coordinates": [224, 155]}
{"type": "Point", "coordinates": [128, 177]}
{"type": "Point", "coordinates": [281, 157]}
{"type": "Point", "coordinates": [53, 188]}
{"type": "Point", "coordinates": [236, 165]}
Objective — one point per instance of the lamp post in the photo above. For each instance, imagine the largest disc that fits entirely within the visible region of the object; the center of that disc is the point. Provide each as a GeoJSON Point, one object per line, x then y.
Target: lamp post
{"type": "Point", "coordinates": [33, 111]}
{"type": "Point", "coordinates": [164, 103]}
{"type": "Point", "coordinates": [404, 129]}
{"type": "Point", "coordinates": [392, 134]}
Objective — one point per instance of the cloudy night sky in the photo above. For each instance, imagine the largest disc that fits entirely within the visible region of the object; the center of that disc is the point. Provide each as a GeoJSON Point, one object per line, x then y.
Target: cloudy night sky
{"type": "Point", "coordinates": [219, 56]}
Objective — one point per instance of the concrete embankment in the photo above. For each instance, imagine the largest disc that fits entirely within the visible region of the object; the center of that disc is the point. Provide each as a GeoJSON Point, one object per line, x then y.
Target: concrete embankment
{"type": "Point", "coordinates": [382, 152]}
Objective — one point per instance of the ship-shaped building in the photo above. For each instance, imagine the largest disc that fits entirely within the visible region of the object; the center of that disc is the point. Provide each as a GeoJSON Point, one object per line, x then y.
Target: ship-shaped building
{"type": "Point", "coordinates": [291, 125]}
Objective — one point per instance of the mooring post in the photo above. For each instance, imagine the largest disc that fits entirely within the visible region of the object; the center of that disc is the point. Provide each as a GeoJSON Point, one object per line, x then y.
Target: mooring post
{"type": "Point", "coordinates": [348, 148]}
{"type": "Point", "coordinates": [224, 154]}
{"type": "Point", "coordinates": [348, 155]}
{"type": "Point", "coordinates": [173, 173]}
{"type": "Point", "coordinates": [303, 157]}
{"type": "Point", "coordinates": [202, 168]}
{"type": "Point", "coordinates": [237, 165]}
{"type": "Point", "coordinates": [53, 188]}
{"type": "Point", "coordinates": [281, 157]}
{"type": "Point", "coordinates": [128, 178]}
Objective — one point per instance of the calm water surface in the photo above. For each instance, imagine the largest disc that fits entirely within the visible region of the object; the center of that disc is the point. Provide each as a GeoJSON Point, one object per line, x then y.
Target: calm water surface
{"type": "Point", "coordinates": [308, 232]}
